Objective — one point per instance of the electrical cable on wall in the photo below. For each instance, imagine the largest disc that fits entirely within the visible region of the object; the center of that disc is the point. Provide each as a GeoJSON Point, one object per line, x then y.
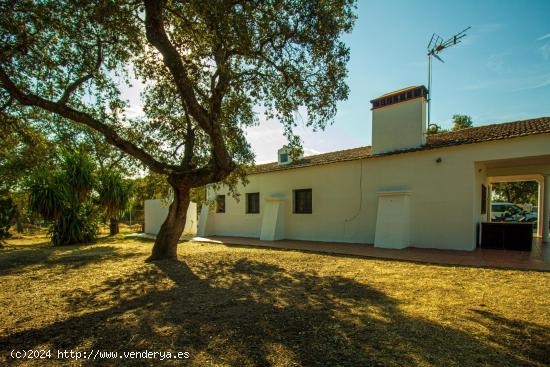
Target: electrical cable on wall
{"type": "Point", "coordinates": [360, 198]}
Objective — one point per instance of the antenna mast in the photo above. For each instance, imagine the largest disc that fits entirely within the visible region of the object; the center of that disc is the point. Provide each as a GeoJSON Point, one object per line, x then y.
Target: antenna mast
{"type": "Point", "coordinates": [436, 46]}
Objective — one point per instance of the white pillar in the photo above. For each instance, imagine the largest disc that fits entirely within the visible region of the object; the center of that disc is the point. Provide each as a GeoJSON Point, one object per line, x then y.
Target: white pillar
{"type": "Point", "coordinates": [273, 220]}
{"type": "Point", "coordinates": [489, 205]}
{"type": "Point", "coordinates": [546, 207]}
{"type": "Point", "coordinates": [202, 229]}
{"type": "Point", "coordinates": [540, 209]}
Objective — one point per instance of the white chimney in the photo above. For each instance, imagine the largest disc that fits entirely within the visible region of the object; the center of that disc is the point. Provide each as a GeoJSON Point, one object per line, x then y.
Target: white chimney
{"type": "Point", "coordinates": [399, 120]}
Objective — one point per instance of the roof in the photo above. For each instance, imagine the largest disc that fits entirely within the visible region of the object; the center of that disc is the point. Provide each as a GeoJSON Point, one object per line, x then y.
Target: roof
{"type": "Point", "coordinates": [314, 160]}
{"type": "Point", "coordinates": [399, 91]}
{"type": "Point", "coordinates": [399, 96]}
{"type": "Point", "coordinates": [466, 136]}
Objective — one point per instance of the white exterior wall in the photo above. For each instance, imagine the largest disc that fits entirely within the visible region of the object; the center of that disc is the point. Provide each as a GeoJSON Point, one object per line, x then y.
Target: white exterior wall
{"type": "Point", "coordinates": [445, 197]}
{"type": "Point", "coordinates": [156, 212]}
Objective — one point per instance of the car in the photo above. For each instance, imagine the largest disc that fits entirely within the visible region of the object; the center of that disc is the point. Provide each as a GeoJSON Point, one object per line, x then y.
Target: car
{"type": "Point", "coordinates": [530, 217]}
{"type": "Point", "coordinates": [508, 212]}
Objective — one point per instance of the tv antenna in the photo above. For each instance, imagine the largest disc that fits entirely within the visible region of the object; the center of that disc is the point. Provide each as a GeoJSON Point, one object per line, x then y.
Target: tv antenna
{"type": "Point", "coordinates": [435, 47]}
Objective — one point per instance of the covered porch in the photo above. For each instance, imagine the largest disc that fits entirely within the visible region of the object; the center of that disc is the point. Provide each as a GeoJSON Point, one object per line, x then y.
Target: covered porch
{"type": "Point", "coordinates": [535, 169]}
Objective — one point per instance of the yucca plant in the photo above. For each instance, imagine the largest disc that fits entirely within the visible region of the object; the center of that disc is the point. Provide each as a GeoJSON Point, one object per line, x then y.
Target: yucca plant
{"type": "Point", "coordinates": [74, 226]}
{"type": "Point", "coordinates": [78, 171]}
{"type": "Point", "coordinates": [63, 197]}
{"type": "Point", "coordinates": [114, 195]}
{"type": "Point", "coordinates": [48, 194]}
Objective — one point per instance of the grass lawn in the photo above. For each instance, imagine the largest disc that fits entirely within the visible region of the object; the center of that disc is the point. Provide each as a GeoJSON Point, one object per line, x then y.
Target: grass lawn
{"type": "Point", "coordinates": [237, 306]}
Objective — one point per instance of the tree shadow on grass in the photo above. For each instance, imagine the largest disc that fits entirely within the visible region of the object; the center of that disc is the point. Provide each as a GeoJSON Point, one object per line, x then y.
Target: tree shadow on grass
{"type": "Point", "coordinates": [248, 313]}
{"type": "Point", "coordinates": [526, 339]}
{"type": "Point", "coordinates": [71, 257]}
{"type": "Point", "coordinates": [117, 239]}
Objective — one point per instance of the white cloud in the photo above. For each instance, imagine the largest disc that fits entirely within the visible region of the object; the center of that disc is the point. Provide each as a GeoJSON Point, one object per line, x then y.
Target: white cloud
{"type": "Point", "coordinates": [543, 37]}
{"type": "Point", "coordinates": [545, 51]}
{"type": "Point", "coordinates": [311, 151]}
{"type": "Point", "coordinates": [134, 111]}
{"type": "Point", "coordinates": [539, 82]}
{"type": "Point", "coordinates": [266, 139]}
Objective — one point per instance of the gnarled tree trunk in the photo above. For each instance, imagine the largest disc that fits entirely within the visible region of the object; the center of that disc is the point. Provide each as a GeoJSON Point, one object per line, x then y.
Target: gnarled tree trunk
{"type": "Point", "coordinates": [166, 244]}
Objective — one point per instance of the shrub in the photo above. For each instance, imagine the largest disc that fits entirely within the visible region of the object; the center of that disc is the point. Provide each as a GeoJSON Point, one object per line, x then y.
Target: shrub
{"type": "Point", "coordinates": [7, 212]}
{"type": "Point", "coordinates": [63, 197]}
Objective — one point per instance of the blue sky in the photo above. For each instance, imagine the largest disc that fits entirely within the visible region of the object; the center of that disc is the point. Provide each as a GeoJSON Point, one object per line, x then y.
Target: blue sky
{"type": "Point", "coordinates": [501, 72]}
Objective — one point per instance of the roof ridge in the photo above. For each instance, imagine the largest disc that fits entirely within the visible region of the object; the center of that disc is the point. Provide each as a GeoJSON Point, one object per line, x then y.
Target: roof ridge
{"type": "Point", "coordinates": [321, 154]}
{"type": "Point", "coordinates": [494, 124]}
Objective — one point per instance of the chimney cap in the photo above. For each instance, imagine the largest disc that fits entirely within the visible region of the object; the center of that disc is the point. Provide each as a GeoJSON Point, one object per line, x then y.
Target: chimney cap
{"type": "Point", "coordinates": [400, 95]}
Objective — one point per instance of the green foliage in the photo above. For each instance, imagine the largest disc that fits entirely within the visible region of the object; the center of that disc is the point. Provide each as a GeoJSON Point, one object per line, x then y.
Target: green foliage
{"type": "Point", "coordinates": [74, 226]}
{"type": "Point", "coordinates": [461, 122]}
{"type": "Point", "coordinates": [435, 129]}
{"type": "Point", "coordinates": [523, 192]}
{"type": "Point", "coordinates": [209, 68]}
{"type": "Point", "coordinates": [114, 193]}
{"type": "Point", "coordinates": [235, 60]}
{"type": "Point", "coordinates": [62, 196]}
{"type": "Point", "coordinates": [23, 148]}
{"type": "Point", "coordinates": [152, 186]}
{"type": "Point", "coordinates": [48, 195]}
{"type": "Point", "coordinates": [78, 171]}
{"type": "Point", "coordinates": [7, 212]}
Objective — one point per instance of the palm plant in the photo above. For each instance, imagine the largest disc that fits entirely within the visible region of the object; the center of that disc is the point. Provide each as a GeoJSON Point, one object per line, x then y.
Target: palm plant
{"type": "Point", "coordinates": [47, 194]}
{"type": "Point", "coordinates": [63, 198]}
{"type": "Point", "coordinates": [114, 195]}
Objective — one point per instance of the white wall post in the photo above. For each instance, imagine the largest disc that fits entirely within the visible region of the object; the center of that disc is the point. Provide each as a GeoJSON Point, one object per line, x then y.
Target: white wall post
{"type": "Point", "coordinates": [546, 209]}
{"type": "Point", "coordinates": [540, 206]}
{"type": "Point", "coordinates": [203, 221]}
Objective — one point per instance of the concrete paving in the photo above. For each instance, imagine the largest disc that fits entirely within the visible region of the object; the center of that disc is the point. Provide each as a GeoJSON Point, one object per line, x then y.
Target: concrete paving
{"type": "Point", "coordinates": [537, 259]}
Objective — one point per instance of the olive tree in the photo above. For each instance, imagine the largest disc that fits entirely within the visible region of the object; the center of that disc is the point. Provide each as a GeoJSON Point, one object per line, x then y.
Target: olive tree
{"type": "Point", "coordinates": [208, 67]}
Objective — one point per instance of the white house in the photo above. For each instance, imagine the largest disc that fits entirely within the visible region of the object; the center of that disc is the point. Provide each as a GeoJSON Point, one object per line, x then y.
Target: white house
{"type": "Point", "coordinates": [407, 189]}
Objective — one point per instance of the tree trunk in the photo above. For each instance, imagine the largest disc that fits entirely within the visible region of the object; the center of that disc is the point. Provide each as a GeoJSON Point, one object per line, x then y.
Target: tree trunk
{"type": "Point", "coordinates": [18, 223]}
{"type": "Point", "coordinates": [166, 244]}
{"type": "Point", "coordinates": [113, 226]}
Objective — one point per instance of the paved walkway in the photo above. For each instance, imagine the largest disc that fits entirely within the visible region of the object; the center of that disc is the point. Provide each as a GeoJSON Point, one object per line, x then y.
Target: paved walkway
{"type": "Point", "coordinates": [537, 259]}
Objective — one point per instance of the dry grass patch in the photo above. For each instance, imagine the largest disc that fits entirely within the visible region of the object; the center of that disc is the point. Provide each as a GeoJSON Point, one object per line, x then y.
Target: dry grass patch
{"type": "Point", "coordinates": [237, 306]}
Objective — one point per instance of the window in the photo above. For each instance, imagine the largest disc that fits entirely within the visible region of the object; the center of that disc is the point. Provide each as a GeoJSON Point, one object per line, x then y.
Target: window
{"type": "Point", "coordinates": [220, 204]}
{"type": "Point", "coordinates": [498, 208]}
{"type": "Point", "coordinates": [253, 203]}
{"type": "Point", "coordinates": [284, 157]}
{"type": "Point", "coordinates": [302, 201]}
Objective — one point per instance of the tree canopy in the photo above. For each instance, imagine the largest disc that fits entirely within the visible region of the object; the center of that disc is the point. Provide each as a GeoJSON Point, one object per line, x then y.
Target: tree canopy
{"type": "Point", "coordinates": [522, 192]}
{"type": "Point", "coordinates": [461, 122]}
{"type": "Point", "coordinates": [207, 66]}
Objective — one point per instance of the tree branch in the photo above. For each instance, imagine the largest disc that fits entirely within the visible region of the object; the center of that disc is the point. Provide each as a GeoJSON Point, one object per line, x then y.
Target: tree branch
{"type": "Point", "coordinates": [112, 137]}
{"type": "Point", "coordinates": [77, 83]}
{"type": "Point", "coordinates": [7, 104]}
{"type": "Point", "coordinates": [156, 35]}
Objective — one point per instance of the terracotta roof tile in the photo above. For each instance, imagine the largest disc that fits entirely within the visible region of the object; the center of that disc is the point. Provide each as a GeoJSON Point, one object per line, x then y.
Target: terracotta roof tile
{"type": "Point", "coordinates": [491, 132]}
{"type": "Point", "coordinates": [467, 136]}
{"type": "Point", "coordinates": [314, 160]}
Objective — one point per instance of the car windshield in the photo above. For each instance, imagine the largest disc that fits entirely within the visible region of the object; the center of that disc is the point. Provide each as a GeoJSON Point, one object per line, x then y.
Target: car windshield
{"type": "Point", "coordinates": [514, 209]}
